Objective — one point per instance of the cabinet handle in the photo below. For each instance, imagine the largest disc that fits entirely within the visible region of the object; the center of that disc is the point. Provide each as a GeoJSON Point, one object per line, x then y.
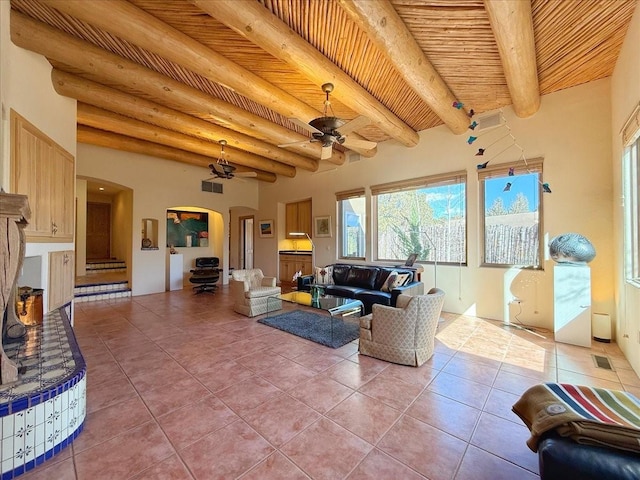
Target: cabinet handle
{"type": "Point", "coordinates": [66, 258]}
{"type": "Point", "coordinates": [54, 228]}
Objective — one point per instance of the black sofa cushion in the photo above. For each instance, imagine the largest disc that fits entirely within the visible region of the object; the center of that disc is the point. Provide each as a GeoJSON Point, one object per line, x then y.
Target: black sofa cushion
{"type": "Point", "coordinates": [561, 458]}
{"type": "Point", "coordinates": [363, 277]}
{"type": "Point", "coordinates": [345, 291]}
{"type": "Point", "coordinates": [340, 273]}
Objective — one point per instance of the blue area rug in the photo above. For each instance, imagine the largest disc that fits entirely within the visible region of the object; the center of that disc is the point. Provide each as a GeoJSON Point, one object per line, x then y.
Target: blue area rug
{"type": "Point", "coordinates": [315, 327]}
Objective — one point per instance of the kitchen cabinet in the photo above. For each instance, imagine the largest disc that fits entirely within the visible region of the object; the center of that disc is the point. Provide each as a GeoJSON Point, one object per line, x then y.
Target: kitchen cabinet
{"type": "Point", "coordinates": [45, 172]}
{"type": "Point", "coordinates": [298, 218]}
{"type": "Point", "coordinates": [292, 263]}
{"type": "Point", "coordinates": [61, 278]}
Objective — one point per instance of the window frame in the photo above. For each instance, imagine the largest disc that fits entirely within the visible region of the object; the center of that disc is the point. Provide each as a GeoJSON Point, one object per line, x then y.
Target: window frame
{"type": "Point", "coordinates": [500, 170]}
{"type": "Point", "coordinates": [442, 179]}
{"type": "Point", "coordinates": [631, 194]}
{"type": "Point", "coordinates": [341, 197]}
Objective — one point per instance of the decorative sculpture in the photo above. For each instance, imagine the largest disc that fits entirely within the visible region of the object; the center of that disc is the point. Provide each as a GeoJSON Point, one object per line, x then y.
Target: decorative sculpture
{"type": "Point", "coordinates": [571, 248]}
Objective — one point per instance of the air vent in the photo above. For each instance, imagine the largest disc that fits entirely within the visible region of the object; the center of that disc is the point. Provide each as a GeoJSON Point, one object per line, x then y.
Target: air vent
{"type": "Point", "coordinates": [489, 121]}
{"type": "Point", "coordinates": [212, 187]}
{"type": "Point", "coordinates": [353, 157]}
{"type": "Point", "coordinates": [602, 362]}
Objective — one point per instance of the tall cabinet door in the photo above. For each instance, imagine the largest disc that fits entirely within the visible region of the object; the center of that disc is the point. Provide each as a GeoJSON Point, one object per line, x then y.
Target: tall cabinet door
{"type": "Point", "coordinates": [61, 278]}
{"type": "Point", "coordinates": [63, 194]}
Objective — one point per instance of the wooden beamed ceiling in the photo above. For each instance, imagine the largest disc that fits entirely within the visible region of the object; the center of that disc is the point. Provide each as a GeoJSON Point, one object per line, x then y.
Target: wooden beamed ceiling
{"type": "Point", "coordinates": [171, 78]}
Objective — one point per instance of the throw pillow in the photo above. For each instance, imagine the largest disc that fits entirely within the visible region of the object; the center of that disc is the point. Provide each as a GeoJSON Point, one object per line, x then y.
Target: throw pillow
{"type": "Point", "coordinates": [387, 286]}
{"type": "Point", "coordinates": [400, 280]}
{"type": "Point", "coordinates": [323, 276]}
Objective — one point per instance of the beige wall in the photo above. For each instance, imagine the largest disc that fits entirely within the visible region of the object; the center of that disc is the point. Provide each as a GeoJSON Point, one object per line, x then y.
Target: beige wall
{"type": "Point", "coordinates": [625, 96]}
{"type": "Point", "coordinates": [157, 185]}
{"type": "Point", "coordinates": [571, 131]}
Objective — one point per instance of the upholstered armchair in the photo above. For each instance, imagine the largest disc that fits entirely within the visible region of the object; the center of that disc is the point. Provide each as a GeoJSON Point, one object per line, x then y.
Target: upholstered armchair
{"type": "Point", "coordinates": [250, 290]}
{"type": "Point", "coordinates": [405, 333]}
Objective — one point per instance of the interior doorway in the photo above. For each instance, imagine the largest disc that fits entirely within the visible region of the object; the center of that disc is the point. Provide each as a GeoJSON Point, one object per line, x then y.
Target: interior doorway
{"type": "Point", "coordinates": [98, 231]}
{"type": "Point", "coordinates": [246, 242]}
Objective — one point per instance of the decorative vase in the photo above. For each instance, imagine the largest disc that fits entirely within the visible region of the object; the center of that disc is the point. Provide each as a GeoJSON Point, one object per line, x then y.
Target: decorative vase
{"type": "Point", "coordinates": [188, 239]}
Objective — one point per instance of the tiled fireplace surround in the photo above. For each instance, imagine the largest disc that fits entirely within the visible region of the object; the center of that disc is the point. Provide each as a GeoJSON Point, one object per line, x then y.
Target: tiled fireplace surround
{"type": "Point", "coordinates": [181, 387]}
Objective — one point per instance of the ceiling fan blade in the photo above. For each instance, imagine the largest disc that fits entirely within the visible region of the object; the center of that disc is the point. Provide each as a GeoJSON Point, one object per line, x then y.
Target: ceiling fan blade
{"type": "Point", "coordinates": [326, 153]}
{"type": "Point", "coordinates": [354, 124]}
{"type": "Point", "coordinates": [246, 174]}
{"type": "Point", "coordinates": [304, 125]}
{"type": "Point", "coordinates": [360, 144]}
{"type": "Point", "coordinates": [294, 143]}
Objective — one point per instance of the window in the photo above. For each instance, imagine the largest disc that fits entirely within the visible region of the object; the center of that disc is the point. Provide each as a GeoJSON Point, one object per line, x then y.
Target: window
{"type": "Point", "coordinates": [352, 224]}
{"type": "Point", "coordinates": [511, 213]}
{"type": "Point", "coordinates": [426, 216]}
{"type": "Point", "coordinates": [631, 186]}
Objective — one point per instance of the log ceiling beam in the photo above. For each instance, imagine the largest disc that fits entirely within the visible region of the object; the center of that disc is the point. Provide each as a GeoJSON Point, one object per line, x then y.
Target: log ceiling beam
{"type": "Point", "coordinates": [254, 22]}
{"type": "Point", "coordinates": [95, 117]}
{"type": "Point", "coordinates": [382, 24]}
{"type": "Point", "coordinates": [102, 138]}
{"type": "Point", "coordinates": [98, 63]}
{"type": "Point", "coordinates": [107, 98]}
{"type": "Point", "coordinates": [512, 26]}
{"type": "Point", "coordinates": [133, 24]}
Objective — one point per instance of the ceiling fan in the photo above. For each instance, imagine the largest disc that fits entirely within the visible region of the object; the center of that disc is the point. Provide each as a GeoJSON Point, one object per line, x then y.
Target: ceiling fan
{"type": "Point", "coordinates": [222, 168]}
{"type": "Point", "coordinates": [331, 129]}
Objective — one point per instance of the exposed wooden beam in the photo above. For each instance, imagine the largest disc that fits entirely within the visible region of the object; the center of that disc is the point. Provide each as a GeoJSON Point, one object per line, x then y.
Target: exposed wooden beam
{"type": "Point", "coordinates": [54, 44]}
{"type": "Point", "coordinates": [254, 22]}
{"type": "Point", "coordinates": [98, 118]}
{"type": "Point", "coordinates": [512, 26]}
{"type": "Point", "coordinates": [98, 95]}
{"type": "Point", "coordinates": [382, 24]}
{"type": "Point", "coordinates": [133, 24]}
{"type": "Point", "coordinates": [102, 138]}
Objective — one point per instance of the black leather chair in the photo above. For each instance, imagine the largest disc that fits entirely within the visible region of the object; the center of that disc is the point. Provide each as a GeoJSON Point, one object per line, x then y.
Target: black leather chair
{"type": "Point", "coordinates": [205, 275]}
{"type": "Point", "coordinates": [561, 458]}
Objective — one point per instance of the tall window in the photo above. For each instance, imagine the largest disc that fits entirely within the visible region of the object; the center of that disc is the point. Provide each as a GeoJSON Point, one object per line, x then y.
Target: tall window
{"type": "Point", "coordinates": [426, 216]}
{"type": "Point", "coordinates": [511, 213]}
{"type": "Point", "coordinates": [631, 185]}
{"type": "Point", "coordinates": [352, 223]}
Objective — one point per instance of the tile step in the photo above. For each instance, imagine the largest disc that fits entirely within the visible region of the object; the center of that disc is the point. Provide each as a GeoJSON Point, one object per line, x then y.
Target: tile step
{"type": "Point", "coordinates": [104, 295]}
{"type": "Point", "coordinates": [100, 287]}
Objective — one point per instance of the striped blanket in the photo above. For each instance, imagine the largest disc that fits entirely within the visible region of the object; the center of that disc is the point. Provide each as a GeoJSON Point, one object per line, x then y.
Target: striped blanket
{"type": "Point", "coordinates": [592, 416]}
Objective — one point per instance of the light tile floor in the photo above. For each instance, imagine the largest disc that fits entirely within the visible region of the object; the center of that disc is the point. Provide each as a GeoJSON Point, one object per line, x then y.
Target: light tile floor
{"type": "Point", "coordinates": [181, 387]}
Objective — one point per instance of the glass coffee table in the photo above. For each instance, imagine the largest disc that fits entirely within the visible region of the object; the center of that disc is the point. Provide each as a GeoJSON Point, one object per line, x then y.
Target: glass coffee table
{"type": "Point", "coordinates": [340, 311]}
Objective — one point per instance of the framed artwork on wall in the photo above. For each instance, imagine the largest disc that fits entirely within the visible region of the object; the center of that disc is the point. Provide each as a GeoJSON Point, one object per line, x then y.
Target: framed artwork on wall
{"type": "Point", "coordinates": [322, 226]}
{"type": "Point", "coordinates": [266, 228]}
{"type": "Point", "coordinates": [187, 229]}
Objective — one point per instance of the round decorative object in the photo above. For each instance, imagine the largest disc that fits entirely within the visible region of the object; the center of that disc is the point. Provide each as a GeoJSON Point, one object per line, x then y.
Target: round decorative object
{"type": "Point", "coordinates": [571, 248]}
{"type": "Point", "coordinates": [146, 243]}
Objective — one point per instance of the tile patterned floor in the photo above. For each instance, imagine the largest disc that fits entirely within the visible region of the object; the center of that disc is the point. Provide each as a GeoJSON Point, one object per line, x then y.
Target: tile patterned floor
{"type": "Point", "coordinates": [180, 387]}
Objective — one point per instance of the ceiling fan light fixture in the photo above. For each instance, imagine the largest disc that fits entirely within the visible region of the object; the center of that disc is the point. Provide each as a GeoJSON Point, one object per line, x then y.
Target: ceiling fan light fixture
{"type": "Point", "coordinates": [226, 170]}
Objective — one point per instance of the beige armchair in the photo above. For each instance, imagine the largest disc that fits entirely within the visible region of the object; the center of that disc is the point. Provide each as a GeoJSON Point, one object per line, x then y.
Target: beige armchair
{"type": "Point", "coordinates": [250, 290]}
{"type": "Point", "coordinates": [405, 333]}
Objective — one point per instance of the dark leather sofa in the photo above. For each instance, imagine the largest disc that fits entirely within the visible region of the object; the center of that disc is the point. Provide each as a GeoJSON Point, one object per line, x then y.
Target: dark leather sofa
{"type": "Point", "coordinates": [562, 458]}
{"type": "Point", "coordinates": [364, 283]}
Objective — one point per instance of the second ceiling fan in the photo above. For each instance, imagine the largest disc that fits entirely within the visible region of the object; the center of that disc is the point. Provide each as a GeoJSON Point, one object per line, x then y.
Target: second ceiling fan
{"type": "Point", "coordinates": [329, 129]}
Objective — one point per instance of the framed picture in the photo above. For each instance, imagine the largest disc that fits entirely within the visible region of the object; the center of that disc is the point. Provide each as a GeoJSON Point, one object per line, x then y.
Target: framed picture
{"type": "Point", "coordinates": [322, 226]}
{"type": "Point", "coordinates": [266, 228]}
{"type": "Point", "coordinates": [187, 229]}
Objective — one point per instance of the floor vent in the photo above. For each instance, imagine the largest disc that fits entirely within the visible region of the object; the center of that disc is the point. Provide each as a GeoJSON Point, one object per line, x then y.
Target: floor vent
{"type": "Point", "coordinates": [602, 362]}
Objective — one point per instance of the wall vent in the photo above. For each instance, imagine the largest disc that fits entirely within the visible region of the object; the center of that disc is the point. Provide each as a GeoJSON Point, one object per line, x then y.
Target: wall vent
{"type": "Point", "coordinates": [212, 187]}
{"type": "Point", "coordinates": [353, 157]}
{"type": "Point", "coordinates": [489, 121]}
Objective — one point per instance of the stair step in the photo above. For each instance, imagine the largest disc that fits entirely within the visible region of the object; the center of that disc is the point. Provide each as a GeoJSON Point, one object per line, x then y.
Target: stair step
{"type": "Point", "coordinates": [106, 266]}
{"type": "Point", "coordinates": [101, 287]}
{"type": "Point", "coordinates": [104, 295]}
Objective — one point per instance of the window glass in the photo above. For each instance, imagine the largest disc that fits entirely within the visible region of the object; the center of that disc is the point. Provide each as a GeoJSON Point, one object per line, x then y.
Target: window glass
{"type": "Point", "coordinates": [428, 220]}
{"type": "Point", "coordinates": [352, 227]}
{"type": "Point", "coordinates": [510, 210]}
{"type": "Point", "coordinates": [631, 179]}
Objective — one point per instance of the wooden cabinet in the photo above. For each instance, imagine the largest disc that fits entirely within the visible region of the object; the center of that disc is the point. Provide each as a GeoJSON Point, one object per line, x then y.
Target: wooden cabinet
{"type": "Point", "coordinates": [61, 278]}
{"type": "Point", "coordinates": [290, 264]}
{"type": "Point", "coordinates": [45, 172]}
{"type": "Point", "coordinates": [298, 217]}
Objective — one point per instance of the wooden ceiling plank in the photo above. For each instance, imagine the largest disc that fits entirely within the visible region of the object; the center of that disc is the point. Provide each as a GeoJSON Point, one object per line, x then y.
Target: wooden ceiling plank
{"type": "Point", "coordinates": [40, 38]}
{"type": "Point", "coordinates": [105, 120]}
{"type": "Point", "coordinates": [98, 95]}
{"type": "Point", "coordinates": [512, 26]}
{"type": "Point", "coordinates": [385, 28]}
{"type": "Point", "coordinates": [102, 138]}
{"type": "Point", "coordinates": [254, 22]}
